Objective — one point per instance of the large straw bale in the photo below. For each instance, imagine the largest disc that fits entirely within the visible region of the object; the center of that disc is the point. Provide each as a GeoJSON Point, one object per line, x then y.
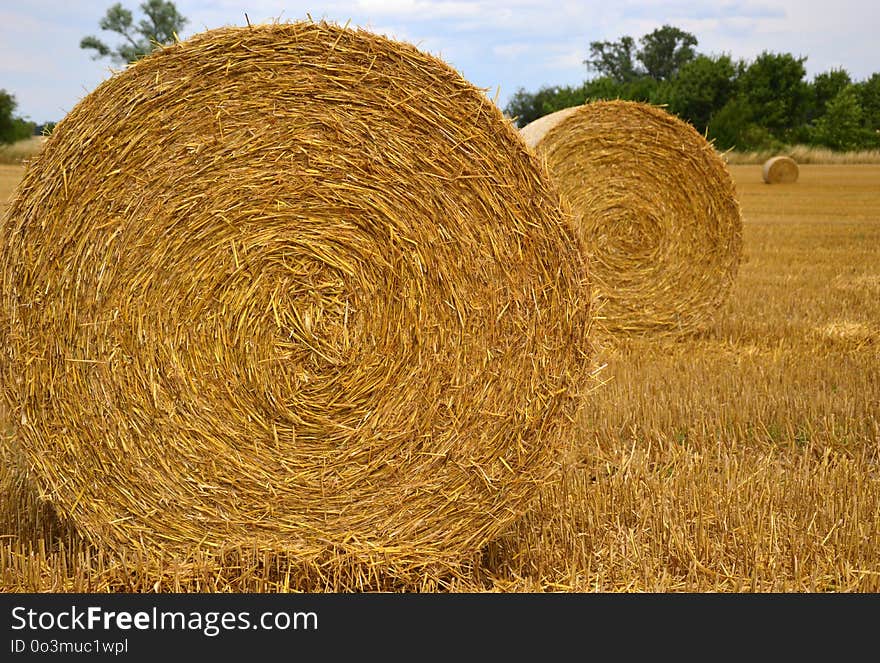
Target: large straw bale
{"type": "Point", "coordinates": [780, 170]}
{"type": "Point", "coordinates": [297, 288]}
{"type": "Point", "coordinates": [655, 207]}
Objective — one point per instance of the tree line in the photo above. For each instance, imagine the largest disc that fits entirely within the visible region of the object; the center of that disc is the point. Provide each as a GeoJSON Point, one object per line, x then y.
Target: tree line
{"type": "Point", "coordinates": [761, 104]}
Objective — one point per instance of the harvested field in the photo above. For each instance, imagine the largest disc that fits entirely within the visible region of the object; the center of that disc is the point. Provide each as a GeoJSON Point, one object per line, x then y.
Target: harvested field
{"type": "Point", "coordinates": [743, 460]}
{"type": "Point", "coordinates": [9, 178]}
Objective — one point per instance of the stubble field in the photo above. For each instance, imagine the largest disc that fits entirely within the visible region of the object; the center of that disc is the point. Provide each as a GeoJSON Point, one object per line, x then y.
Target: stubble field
{"type": "Point", "coordinates": [746, 459]}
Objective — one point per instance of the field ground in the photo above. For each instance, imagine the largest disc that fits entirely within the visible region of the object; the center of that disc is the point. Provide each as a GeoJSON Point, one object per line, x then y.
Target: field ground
{"type": "Point", "coordinates": [9, 177]}
{"type": "Point", "coordinates": [743, 460]}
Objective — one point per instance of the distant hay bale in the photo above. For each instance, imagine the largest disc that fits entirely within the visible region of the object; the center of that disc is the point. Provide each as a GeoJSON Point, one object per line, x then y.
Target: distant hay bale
{"type": "Point", "coordinates": [780, 170]}
{"type": "Point", "coordinates": [293, 288]}
{"type": "Point", "coordinates": [655, 207]}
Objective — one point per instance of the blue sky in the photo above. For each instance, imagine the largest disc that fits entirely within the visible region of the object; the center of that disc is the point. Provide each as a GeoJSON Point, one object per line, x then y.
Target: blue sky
{"type": "Point", "coordinates": [497, 44]}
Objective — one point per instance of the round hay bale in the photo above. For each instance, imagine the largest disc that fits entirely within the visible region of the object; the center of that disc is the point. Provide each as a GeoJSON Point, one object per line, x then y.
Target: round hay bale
{"type": "Point", "coordinates": [655, 207]}
{"type": "Point", "coordinates": [780, 170]}
{"type": "Point", "coordinates": [297, 288]}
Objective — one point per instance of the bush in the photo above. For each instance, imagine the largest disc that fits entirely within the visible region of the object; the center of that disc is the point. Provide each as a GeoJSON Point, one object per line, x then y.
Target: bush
{"type": "Point", "coordinates": [840, 128]}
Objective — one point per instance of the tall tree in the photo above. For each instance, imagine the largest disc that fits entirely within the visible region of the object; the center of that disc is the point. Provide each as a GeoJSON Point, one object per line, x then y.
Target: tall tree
{"type": "Point", "coordinates": [614, 59]}
{"type": "Point", "coordinates": [665, 51]}
{"type": "Point", "coordinates": [840, 128]}
{"type": "Point", "coordinates": [702, 87]}
{"type": "Point", "coordinates": [732, 126]}
{"type": "Point", "coordinates": [825, 87]}
{"type": "Point", "coordinates": [162, 24]}
{"type": "Point", "coordinates": [773, 86]}
{"type": "Point", "coordinates": [12, 128]}
{"type": "Point", "coordinates": [869, 99]}
{"type": "Point", "coordinates": [7, 106]}
{"type": "Point", "coordinates": [662, 53]}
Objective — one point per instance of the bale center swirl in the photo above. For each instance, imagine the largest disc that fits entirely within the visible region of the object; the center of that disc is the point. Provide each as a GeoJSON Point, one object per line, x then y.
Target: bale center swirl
{"type": "Point", "coordinates": [296, 287]}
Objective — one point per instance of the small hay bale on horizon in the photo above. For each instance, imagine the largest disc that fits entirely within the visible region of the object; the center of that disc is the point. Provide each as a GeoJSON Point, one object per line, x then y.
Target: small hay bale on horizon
{"type": "Point", "coordinates": [294, 288]}
{"type": "Point", "coordinates": [655, 208]}
{"type": "Point", "coordinates": [780, 170]}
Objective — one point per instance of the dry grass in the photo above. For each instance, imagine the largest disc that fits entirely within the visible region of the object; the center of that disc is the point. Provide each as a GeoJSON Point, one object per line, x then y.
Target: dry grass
{"type": "Point", "coordinates": [19, 152]}
{"type": "Point", "coordinates": [655, 208]}
{"type": "Point", "coordinates": [10, 176]}
{"type": "Point", "coordinates": [297, 289]}
{"type": "Point", "coordinates": [743, 460]}
{"type": "Point", "coordinates": [806, 154]}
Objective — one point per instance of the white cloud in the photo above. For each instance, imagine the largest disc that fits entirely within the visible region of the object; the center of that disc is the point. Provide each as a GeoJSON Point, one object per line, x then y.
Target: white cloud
{"type": "Point", "coordinates": [506, 43]}
{"type": "Point", "coordinates": [395, 32]}
{"type": "Point", "coordinates": [512, 50]}
{"type": "Point", "coordinates": [422, 10]}
{"type": "Point", "coordinates": [570, 58]}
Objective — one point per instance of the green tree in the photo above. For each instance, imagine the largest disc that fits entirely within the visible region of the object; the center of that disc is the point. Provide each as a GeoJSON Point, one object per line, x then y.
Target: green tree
{"type": "Point", "coordinates": [869, 99]}
{"type": "Point", "coordinates": [12, 128]}
{"type": "Point", "coordinates": [7, 106]}
{"type": "Point", "coordinates": [614, 59]}
{"type": "Point", "coordinates": [665, 51]}
{"type": "Point", "coordinates": [603, 87]}
{"type": "Point", "coordinates": [637, 89]}
{"type": "Point", "coordinates": [840, 128]}
{"type": "Point", "coordinates": [773, 87]}
{"type": "Point", "coordinates": [526, 106]}
{"type": "Point", "coordinates": [729, 127]}
{"type": "Point", "coordinates": [825, 87]}
{"type": "Point", "coordinates": [702, 87]}
{"type": "Point", "coordinates": [162, 24]}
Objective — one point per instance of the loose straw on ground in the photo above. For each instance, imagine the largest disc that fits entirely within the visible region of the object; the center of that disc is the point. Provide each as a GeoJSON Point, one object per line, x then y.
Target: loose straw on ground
{"type": "Point", "coordinates": [780, 170]}
{"type": "Point", "coordinates": [655, 207]}
{"type": "Point", "coordinates": [296, 288]}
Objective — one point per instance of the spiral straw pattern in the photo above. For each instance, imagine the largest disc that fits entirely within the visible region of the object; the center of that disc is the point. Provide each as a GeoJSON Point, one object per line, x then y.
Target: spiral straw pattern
{"type": "Point", "coordinates": [655, 207]}
{"type": "Point", "coordinates": [291, 287]}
